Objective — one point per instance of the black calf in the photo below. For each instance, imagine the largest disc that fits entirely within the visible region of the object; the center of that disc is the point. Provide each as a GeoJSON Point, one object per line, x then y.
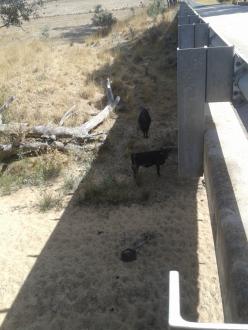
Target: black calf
{"type": "Point", "coordinates": [150, 158]}
{"type": "Point", "coordinates": [144, 121]}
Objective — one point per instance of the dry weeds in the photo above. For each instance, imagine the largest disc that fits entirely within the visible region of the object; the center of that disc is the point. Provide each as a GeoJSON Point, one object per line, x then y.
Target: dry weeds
{"type": "Point", "coordinates": [47, 80]}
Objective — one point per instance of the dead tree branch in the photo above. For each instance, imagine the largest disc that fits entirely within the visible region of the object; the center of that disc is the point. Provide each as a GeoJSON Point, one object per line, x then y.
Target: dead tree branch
{"type": "Point", "coordinates": [26, 148]}
{"type": "Point", "coordinates": [64, 132]}
{"type": "Point", "coordinates": [59, 131]}
{"type": "Point", "coordinates": [6, 106]}
{"type": "Point", "coordinates": [53, 133]}
{"type": "Point", "coordinates": [67, 115]}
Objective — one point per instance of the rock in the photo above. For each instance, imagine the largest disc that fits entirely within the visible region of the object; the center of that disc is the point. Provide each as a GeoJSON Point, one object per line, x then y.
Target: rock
{"type": "Point", "coordinates": [128, 255]}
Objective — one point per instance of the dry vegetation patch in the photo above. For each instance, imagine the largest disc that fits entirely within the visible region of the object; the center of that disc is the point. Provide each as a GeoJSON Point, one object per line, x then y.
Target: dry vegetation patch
{"type": "Point", "coordinates": [47, 80]}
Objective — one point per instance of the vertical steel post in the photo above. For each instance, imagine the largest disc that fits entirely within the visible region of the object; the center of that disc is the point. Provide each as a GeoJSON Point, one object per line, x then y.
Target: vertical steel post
{"type": "Point", "coordinates": [191, 83]}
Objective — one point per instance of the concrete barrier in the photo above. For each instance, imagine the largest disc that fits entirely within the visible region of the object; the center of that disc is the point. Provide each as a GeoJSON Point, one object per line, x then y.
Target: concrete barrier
{"type": "Point", "coordinates": [225, 162]}
{"type": "Point", "coordinates": [226, 175]}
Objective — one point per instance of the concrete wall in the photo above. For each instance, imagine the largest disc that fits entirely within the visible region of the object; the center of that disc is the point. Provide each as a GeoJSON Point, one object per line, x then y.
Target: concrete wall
{"type": "Point", "coordinates": [226, 175]}
{"type": "Point", "coordinates": [225, 164]}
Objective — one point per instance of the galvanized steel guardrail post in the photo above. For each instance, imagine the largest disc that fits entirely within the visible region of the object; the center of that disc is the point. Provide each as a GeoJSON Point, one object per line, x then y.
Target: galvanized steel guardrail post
{"type": "Point", "coordinates": [204, 74]}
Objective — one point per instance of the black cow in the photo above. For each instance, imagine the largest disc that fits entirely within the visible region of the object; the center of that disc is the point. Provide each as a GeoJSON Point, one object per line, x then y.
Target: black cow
{"type": "Point", "coordinates": [144, 121]}
{"type": "Point", "coordinates": [150, 158]}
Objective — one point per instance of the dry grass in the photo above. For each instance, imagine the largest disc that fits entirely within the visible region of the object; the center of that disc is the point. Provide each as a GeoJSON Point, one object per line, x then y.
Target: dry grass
{"type": "Point", "coordinates": [140, 75]}
{"type": "Point", "coordinates": [49, 201]}
{"type": "Point", "coordinates": [70, 184]}
{"type": "Point", "coordinates": [48, 78]}
{"type": "Point", "coordinates": [112, 191]}
{"type": "Point", "coordinates": [32, 171]}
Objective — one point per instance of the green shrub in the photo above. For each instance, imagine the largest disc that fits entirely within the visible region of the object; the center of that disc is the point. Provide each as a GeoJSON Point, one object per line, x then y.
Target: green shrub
{"type": "Point", "coordinates": [132, 11]}
{"type": "Point", "coordinates": [98, 9]}
{"type": "Point", "coordinates": [156, 7]}
{"type": "Point", "coordinates": [45, 32]}
{"type": "Point", "coordinates": [7, 184]}
{"type": "Point", "coordinates": [49, 169]}
{"type": "Point", "coordinates": [70, 184]}
{"type": "Point", "coordinates": [112, 192]}
{"type": "Point", "coordinates": [49, 201]}
{"type": "Point", "coordinates": [103, 18]}
{"type": "Point", "coordinates": [27, 172]}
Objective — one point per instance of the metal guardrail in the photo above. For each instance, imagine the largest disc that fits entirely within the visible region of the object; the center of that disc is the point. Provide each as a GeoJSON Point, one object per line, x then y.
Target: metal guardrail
{"type": "Point", "coordinates": [208, 71]}
{"type": "Point", "coordinates": [204, 74]}
{"type": "Point", "coordinates": [176, 321]}
{"type": "Point", "coordinates": [240, 81]}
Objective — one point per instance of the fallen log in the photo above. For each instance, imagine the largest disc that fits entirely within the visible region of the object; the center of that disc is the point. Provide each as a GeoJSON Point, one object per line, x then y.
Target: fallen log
{"type": "Point", "coordinates": [80, 132]}
{"type": "Point", "coordinates": [50, 134]}
{"type": "Point", "coordinates": [36, 148]}
{"type": "Point", "coordinates": [9, 150]}
{"type": "Point", "coordinates": [59, 131]}
{"type": "Point", "coordinates": [98, 119]}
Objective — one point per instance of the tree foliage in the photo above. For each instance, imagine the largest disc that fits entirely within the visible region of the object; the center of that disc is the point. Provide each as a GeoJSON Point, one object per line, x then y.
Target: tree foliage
{"type": "Point", "coordinates": [103, 17]}
{"type": "Point", "coordinates": [156, 7]}
{"type": "Point", "coordinates": [14, 12]}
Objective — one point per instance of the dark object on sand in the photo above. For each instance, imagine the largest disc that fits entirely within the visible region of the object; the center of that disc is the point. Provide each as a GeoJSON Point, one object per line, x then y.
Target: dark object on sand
{"type": "Point", "coordinates": [144, 121]}
{"type": "Point", "coordinates": [130, 254]}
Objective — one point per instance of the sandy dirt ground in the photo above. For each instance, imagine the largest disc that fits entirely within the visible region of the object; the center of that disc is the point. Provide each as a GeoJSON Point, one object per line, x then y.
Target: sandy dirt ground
{"type": "Point", "coordinates": [65, 7]}
{"type": "Point", "coordinates": [62, 269]}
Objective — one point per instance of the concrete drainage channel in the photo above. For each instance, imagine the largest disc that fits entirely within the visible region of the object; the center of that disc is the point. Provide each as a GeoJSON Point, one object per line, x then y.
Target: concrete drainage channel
{"type": "Point", "coordinates": [213, 140]}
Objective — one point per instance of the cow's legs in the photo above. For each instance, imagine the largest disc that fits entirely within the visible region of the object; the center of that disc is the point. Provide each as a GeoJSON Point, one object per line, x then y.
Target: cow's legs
{"type": "Point", "coordinates": [135, 169]}
{"type": "Point", "coordinates": [158, 169]}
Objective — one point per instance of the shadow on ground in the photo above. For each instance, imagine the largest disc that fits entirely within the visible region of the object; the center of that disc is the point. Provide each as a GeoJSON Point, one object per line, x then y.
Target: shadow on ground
{"type": "Point", "coordinates": [78, 280]}
{"type": "Point", "coordinates": [75, 33]}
